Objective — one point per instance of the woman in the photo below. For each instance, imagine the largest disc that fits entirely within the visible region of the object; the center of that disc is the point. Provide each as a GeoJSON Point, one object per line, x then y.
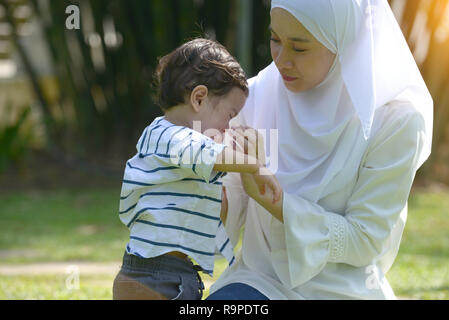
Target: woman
{"type": "Point", "coordinates": [354, 121]}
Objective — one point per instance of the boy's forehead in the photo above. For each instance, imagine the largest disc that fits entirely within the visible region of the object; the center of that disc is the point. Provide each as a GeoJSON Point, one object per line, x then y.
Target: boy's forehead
{"type": "Point", "coordinates": [238, 96]}
{"type": "Point", "coordinates": [234, 100]}
{"type": "Point", "coordinates": [238, 93]}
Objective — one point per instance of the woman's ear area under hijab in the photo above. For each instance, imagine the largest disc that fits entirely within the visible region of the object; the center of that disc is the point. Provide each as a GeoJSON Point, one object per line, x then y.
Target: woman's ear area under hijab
{"type": "Point", "coordinates": [198, 97]}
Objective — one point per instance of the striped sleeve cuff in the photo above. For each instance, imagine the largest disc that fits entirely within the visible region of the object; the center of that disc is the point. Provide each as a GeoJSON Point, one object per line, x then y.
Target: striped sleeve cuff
{"type": "Point", "coordinates": [204, 164]}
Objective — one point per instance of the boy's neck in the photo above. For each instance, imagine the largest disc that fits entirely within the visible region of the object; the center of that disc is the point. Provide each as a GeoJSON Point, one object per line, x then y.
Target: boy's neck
{"type": "Point", "coordinates": [179, 116]}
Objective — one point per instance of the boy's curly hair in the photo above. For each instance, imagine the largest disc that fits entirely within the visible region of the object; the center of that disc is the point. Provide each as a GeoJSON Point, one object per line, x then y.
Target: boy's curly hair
{"type": "Point", "coordinates": [197, 62]}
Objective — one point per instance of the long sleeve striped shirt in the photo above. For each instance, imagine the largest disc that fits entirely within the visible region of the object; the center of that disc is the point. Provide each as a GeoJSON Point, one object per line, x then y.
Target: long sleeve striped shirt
{"type": "Point", "coordinates": [171, 197]}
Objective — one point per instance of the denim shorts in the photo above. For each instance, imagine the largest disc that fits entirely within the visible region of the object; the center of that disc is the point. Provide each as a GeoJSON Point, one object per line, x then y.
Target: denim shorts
{"type": "Point", "coordinates": [164, 277]}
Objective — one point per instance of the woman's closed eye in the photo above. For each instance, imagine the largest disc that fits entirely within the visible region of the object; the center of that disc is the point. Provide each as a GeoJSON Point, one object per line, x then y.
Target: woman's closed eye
{"type": "Point", "coordinates": [299, 50]}
{"type": "Point", "coordinates": [277, 41]}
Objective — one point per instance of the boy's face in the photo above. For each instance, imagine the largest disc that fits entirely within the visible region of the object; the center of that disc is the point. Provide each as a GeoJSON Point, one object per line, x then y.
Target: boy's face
{"type": "Point", "coordinates": [219, 110]}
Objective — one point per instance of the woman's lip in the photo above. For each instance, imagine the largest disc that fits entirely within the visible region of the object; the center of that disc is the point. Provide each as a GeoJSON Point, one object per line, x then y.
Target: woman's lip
{"type": "Point", "coordinates": [287, 78]}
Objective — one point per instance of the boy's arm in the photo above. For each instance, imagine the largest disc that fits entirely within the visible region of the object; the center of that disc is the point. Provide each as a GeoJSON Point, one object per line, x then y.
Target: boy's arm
{"type": "Point", "coordinates": [230, 160]}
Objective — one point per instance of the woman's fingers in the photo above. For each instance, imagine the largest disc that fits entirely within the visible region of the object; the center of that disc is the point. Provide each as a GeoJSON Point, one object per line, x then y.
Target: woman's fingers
{"type": "Point", "coordinates": [248, 138]}
{"type": "Point", "coordinates": [255, 185]}
{"type": "Point", "coordinates": [252, 140]}
{"type": "Point", "coordinates": [274, 188]}
{"type": "Point", "coordinates": [224, 205]}
{"type": "Point", "coordinates": [262, 188]}
{"type": "Point", "coordinates": [230, 139]}
{"type": "Point", "coordinates": [277, 193]}
{"type": "Point", "coordinates": [237, 140]}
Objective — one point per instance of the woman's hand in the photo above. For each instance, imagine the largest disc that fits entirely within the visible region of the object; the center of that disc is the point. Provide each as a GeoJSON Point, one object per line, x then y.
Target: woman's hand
{"type": "Point", "coordinates": [269, 198]}
{"type": "Point", "coordinates": [249, 141]}
{"type": "Point", "coordinates": [261, 180]}
{"type": "Point", "coordinates": [224, 206]}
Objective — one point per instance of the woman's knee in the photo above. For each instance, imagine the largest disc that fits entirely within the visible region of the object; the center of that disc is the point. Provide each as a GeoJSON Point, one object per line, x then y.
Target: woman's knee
{"type": "Point", "coordinates": [237, 291]}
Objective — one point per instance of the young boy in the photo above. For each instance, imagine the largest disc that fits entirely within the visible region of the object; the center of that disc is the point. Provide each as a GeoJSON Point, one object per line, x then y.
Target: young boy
{"type": "Point", "coordinates": [171, 194]}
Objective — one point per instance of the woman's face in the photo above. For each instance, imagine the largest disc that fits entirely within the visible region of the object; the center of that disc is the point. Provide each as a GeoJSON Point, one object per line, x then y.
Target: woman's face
{"type": "Point", "coordinates": [301, 59]}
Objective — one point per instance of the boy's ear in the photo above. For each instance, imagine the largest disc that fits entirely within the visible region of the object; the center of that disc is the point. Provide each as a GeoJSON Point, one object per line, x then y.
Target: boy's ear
{"type": "Point", "coordinates": [198, 96]}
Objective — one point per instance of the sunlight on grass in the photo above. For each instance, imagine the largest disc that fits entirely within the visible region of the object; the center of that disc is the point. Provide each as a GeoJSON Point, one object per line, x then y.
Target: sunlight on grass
{"type": "Point", "coordinates": [53, 287]}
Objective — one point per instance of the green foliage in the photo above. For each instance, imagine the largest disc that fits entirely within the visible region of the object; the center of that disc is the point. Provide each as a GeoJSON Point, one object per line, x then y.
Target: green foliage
{"type": "Point", "coordinates": [14, 140]}
{"type": "Point", "coordinates": [106, 67]}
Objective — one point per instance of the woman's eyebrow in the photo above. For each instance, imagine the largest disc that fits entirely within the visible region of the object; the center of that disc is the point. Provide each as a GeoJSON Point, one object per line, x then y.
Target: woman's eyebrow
{"type": "Point", "coordinates": [271, 29]}
{"type": "Point", "coordinates": [295, 39]}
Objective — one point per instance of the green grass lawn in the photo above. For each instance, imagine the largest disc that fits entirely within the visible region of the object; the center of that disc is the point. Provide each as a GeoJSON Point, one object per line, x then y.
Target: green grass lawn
{"type": "Point", "coordinates": [53, 287]}
{"type": "Point", "coordinates": [76, 226]}
{"type": "Point", "coordinates": [421, 270]}
{"type": "Point", "coordinates": [66, 225]}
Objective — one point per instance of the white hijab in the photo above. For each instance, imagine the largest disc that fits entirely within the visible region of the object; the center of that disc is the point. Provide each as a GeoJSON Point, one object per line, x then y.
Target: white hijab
{"type": "Point", "coordinates": [373, 66]}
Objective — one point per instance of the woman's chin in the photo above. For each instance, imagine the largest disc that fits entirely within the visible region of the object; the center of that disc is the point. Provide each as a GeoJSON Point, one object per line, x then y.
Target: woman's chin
{"type": "Point", "coordinates": [297, 86]}
{"type": "Point", "coordinates": [294, 86]}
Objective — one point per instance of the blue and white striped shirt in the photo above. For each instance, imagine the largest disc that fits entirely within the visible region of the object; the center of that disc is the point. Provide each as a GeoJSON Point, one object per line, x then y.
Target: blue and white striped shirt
{"type": "Point", "coordinates": [171, 197]}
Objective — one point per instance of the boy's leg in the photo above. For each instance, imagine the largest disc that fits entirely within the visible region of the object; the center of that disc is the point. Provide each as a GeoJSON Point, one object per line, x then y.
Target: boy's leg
{"type": "Point", "coordinates": [160, 278]}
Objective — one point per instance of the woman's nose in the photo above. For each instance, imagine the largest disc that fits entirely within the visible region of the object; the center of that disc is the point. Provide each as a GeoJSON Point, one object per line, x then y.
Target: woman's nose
{"type": "Point", "coordinates": [283, 60]}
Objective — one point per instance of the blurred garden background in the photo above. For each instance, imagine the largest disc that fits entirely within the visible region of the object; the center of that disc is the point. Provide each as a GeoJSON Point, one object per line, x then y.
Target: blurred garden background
{"type": "Point", "coordinates": [73, 102]}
